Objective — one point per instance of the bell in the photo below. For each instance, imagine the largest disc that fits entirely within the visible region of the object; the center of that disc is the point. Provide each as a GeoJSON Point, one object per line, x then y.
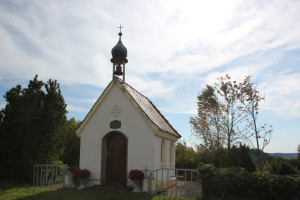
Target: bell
{"type": "Point", "coordinates": [118, 71]}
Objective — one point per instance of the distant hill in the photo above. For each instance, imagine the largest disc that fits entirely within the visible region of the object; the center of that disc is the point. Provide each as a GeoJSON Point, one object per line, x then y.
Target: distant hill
{"type": "Point", "coordinates": [265, 156]}
{"type": "Point", "coordinates": [284, 155]}
{"type": "Point", "coordinates": [269, 156]}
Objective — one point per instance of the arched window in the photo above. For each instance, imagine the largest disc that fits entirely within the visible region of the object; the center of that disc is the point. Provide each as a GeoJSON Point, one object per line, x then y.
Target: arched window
{"type": "Point", "coordinates": [172, 154]}
{"type": "Point", "coordinates": [163, 153]}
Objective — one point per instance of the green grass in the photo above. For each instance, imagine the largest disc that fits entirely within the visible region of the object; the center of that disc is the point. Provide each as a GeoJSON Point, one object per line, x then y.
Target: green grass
{"type": "Point", "coordinates": [22, 192]}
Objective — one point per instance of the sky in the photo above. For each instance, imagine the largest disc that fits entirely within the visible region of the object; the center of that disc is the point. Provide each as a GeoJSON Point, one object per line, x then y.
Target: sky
{"type": "Point", "coordinates": [174, 49]}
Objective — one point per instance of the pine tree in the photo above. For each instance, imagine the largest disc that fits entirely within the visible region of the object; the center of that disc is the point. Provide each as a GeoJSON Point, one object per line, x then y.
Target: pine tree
{"type": "Point", "coordinates": [31, 128]}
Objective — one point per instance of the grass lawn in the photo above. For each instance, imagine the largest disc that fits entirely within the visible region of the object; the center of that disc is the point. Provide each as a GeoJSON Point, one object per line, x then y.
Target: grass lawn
{"type": "Point", "coordinates": [12, 191]}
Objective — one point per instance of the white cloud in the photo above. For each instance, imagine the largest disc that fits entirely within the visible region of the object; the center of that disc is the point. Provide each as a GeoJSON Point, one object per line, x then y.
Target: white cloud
{"type": "Point", "coordinates": [77, 100]}
{"type": "Point", "coordinates": [282, 94]}
{"type": "Point", "coordinates": [174, 47]}
{"type": "Point", "coordinates": [2, 105]}
{"type": "Point", "coordinates": [188, 44]}
{"type": "Point", "coordinates": [76, 109]}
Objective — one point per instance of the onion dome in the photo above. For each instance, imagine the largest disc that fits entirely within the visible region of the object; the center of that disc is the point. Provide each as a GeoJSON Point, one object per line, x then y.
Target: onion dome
{"type": "Point", "coordinates": [119, 52]}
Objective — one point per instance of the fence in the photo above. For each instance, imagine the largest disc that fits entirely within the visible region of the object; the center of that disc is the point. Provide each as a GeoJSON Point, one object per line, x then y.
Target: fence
{"type": "Point", "coordinates": [175, 183]}
{"type": "Point", "coordinates": [49, 175]}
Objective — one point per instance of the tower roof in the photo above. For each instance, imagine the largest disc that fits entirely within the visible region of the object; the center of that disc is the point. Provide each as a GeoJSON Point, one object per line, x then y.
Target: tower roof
{"type": "Point", "coordinates": [119, 51]}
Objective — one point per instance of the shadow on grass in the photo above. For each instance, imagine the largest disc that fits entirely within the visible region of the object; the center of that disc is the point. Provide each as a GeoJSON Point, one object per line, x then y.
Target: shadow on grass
{"type": "Point", "coordinates": [90, 194]}
{"type": "Point", "coordinates": [25, 192]}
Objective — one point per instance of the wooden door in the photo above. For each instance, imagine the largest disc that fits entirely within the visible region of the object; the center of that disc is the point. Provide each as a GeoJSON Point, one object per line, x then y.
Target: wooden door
{"type": "Point", "coordinates": [116, 168]}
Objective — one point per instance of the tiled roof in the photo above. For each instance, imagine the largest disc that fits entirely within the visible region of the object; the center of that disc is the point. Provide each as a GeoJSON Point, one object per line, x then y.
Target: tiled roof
{"type": "Point", "coordinates": [143, 102]}
{"type": "Point", "coordinates": [150, 110]}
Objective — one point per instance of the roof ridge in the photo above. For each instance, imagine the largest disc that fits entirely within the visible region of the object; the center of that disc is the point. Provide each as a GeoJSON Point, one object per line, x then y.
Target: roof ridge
{"type": "Point", "coordinates": [143, 102]}
{"type": "Point", "coordinates": [120, 82]}
{"type": "Point", "coordinates": [164, 118]}
{"type": "Point", "coordinates": [103, 93]}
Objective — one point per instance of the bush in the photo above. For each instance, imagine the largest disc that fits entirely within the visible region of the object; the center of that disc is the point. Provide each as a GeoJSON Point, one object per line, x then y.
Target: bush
{"type": "Point", "coordinates": [239, 184]}
{"type": "Point", "coordinates": [279, 166]}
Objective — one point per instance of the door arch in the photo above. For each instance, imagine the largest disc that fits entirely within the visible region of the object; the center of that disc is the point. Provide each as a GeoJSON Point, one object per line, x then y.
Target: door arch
{"type": "Point", "coordinates": [116, 159]}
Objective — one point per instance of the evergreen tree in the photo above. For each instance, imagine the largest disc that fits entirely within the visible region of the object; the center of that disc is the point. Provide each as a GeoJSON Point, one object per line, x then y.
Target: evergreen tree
{"type": "Point", "coordinates": [31, 128]}
{"type": "Point", "coordinates": [240, 157]}
{"type": "Point", "coordinates": [72, 144]}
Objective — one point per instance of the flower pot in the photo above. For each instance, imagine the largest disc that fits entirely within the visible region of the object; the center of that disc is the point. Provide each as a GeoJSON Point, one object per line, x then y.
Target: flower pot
{"type": "Point", "coordinates": [138, 185]}
{"type": "Point", "coordinates": [81, 182]}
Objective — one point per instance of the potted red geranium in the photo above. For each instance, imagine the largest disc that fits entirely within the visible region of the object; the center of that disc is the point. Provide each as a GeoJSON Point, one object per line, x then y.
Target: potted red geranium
{"type": "Point", "coordinates": [81, 175]}
{"type": "Point", "coordinates": [137, 177]}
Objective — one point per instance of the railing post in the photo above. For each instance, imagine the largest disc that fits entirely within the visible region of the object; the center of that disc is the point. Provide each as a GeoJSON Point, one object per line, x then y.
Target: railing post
{"type": "Point", "coordinates": [150, 182]}
{"type": "Point", "coordinates": [191, 183]}
{"type": "Point", "coordinates": [55, 174]}
{"type": "Point", "coordinates": [52, 173]}
{"type": "Point", "coordinates": [41, 174]}
{"type": "Point", "coordinates": [37, 175]}
{"type": "Point", "coordinates": [167, 182]}
{"type": "Point", "coordinates": [162, 181]}
{"type": "Point", "coordinates": [65, 173]}
{"type": "Point", "coordinates": [176, 182]}
{"type": "Point", "coordinates": [46, 174]}
{"type": "Point", "coordinates": [156, 183]}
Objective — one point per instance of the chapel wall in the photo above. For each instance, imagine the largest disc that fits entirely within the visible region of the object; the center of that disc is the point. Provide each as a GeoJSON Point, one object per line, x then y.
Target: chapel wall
{"type": "Point", "coordinates": [137, 130]}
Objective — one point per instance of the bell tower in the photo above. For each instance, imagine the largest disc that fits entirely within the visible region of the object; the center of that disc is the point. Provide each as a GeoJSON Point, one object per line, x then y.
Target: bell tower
{"type": "Point", "coordinates": [119, 55]}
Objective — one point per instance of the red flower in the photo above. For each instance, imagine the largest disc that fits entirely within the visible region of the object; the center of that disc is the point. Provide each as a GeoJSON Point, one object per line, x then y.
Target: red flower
{"type": "Point", "coordinates": [136, 175]}
{"type": "Point", "coordinates": [82, 173]}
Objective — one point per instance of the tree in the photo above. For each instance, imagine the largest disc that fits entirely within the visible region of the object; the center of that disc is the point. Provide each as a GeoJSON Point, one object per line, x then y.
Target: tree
{"type": "Point", "coordinates": [250, 98]}
{"type": "Point", "coordinates": [220, 119]}
{"type": "Point", "coordinates": [72, 144]}
{"type": "Point", "coordinates": [240, 157]}
{"type": "Point", "coordinates": [228, 114]}
{"type": "Point", "coordinates": [280, 166]}
{"type": "Point", "coordinates": [298, 152]}
{"type": "Point", "coordinates": [212, 154]}
{"type": "Point", "coordinates": [229, 92]}
{"type": "Point", "coordinates": [31, 128]}
{"type": "Point", "coordinates": [186, 157]}
{"type": "Point", "coordinates": [208, 124]}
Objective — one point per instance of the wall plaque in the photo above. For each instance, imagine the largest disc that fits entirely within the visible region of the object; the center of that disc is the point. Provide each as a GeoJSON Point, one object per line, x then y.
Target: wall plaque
{"type": "Point", "coordinates": [116, 111]}
{"type": "Point", "coordinates": [115, 124]}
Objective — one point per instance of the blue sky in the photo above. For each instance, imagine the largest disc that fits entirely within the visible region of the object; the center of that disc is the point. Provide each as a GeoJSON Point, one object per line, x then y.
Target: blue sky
{"type": "Point", "coordinates": [174, 49]}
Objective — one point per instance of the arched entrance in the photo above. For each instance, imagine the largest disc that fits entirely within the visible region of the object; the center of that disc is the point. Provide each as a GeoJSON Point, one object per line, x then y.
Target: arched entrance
{"type": "Point", "coordinates": [116, 159]}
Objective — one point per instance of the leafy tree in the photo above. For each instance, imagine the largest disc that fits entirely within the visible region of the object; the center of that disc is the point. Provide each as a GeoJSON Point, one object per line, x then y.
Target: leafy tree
{"type": "Point", "coordinates": [208, 124]}
{"type": "Point", "coordinates": [228, 114]}
{"type": "Point", "coordinates": [296, 162]}
{"type": "Point", "coordinates": [298, 157]}
{"type": "Point", "coordinates": [31, 128]}
{"type": "Point", "coordinates": [220, 119]}
{"type": "Point", "coordinates": [72, 144]}
{"type": "Point", "coordinates": [212, 154]}
{"type": "Point", "coordinates": [280, 166]}
{"type": "Point", "coordinates": [250, 98]}
{"type": "Point", "coordinates": [186, 157]}
{"type": "Point", "coordinates": [229, 92]}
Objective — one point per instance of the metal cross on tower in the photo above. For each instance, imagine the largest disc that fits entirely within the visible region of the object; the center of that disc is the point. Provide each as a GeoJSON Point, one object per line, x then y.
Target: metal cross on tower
{"type": "Point", "coordinates": [120, 27]}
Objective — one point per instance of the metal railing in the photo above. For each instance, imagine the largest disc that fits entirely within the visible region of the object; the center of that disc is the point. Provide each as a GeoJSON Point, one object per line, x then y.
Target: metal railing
{"type": "Point", "coordinates": [179, 183]}
{"type": "Point", "coordinates": [45, 175]}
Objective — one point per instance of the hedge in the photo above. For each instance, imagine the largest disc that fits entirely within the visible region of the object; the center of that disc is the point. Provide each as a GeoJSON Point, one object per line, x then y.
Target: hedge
{"type": "Point", "coordinates": [237, 183]}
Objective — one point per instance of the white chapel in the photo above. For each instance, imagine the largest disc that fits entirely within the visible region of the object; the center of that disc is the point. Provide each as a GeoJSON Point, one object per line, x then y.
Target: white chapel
{"type": "Point", "coordinates": [124, 131]}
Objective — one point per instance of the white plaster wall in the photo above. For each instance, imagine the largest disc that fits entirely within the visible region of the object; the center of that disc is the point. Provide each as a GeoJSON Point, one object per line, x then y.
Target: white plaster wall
{"type": "Point", "coordinates": [141, 140]}
{"type": "Point", "coordinates": [158, 159]}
